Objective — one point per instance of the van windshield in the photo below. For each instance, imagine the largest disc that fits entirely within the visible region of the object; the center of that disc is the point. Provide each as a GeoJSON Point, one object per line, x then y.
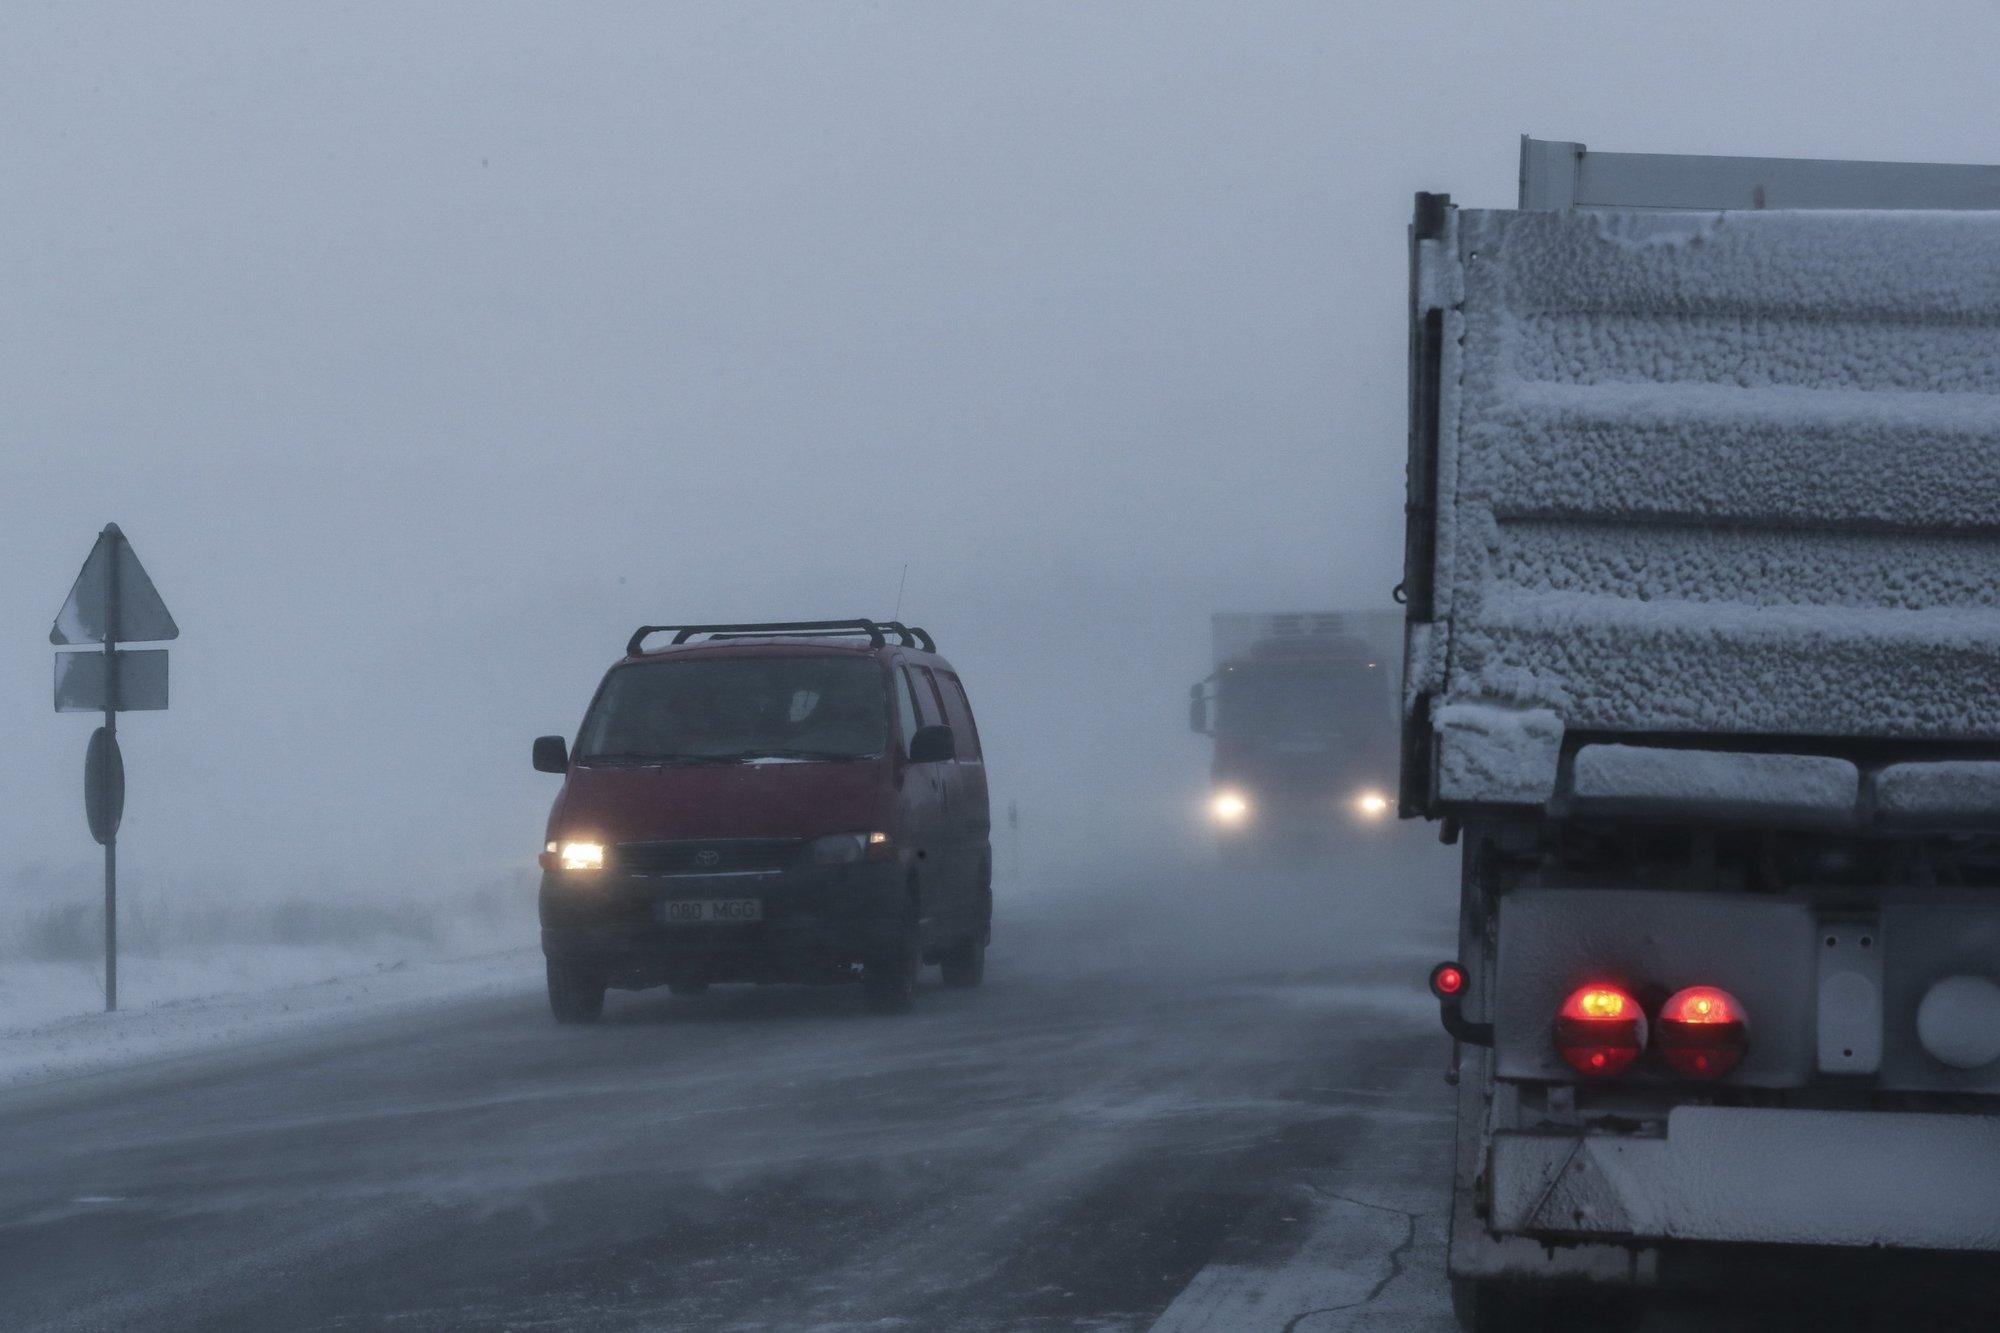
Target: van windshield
{"type": "Point", "coordinates": [733, 709]}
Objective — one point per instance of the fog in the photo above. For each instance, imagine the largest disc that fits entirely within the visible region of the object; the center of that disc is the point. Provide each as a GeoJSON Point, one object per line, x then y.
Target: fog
{"type": "Point", "coordinates": [423, 352]}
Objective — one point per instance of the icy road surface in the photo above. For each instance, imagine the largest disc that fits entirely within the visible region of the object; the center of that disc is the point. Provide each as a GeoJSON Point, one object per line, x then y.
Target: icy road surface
{"type": "Point", "coordinates": [1227, 1116]}
{"type": "Point", "coordinates": [1124, 1123]}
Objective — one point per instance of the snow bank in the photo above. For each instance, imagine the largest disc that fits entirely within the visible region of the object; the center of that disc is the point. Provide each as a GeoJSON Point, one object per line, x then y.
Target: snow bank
{"type": "Point", "coordinates": [208, 965]}
{"type": "Point", "coordinates": [1723, 474]}
{"type": "Point", "coordinates": [220, 998]}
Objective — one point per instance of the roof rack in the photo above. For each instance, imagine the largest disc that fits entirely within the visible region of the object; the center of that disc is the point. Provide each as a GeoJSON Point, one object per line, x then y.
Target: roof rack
{"type": "Point", "coordinates": [913, 636]}
{"type": "Point", "coordinates": [804, 629]}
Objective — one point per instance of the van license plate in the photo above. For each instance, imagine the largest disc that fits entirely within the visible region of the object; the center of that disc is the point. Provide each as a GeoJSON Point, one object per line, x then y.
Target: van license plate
{"type": "Point", "coordinates": [689, 911]}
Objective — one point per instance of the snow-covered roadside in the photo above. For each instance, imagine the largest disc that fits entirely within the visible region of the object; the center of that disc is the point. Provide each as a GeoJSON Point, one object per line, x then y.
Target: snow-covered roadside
{"type": "Point", "coordinates": [203, 1000]}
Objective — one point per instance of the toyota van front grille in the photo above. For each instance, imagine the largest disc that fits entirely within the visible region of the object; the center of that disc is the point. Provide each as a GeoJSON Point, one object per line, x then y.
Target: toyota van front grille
{"type": "Point", "coordinates": [723, 856]}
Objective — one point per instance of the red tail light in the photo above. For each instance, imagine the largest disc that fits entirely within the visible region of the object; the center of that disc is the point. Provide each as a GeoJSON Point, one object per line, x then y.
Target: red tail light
{"type": "Point", "coordinates": [1703, 1032]}
{"type": "Point", "coordinates": [1447, 980]}
{"type": "Point", "coordinates": [1600, 1030]}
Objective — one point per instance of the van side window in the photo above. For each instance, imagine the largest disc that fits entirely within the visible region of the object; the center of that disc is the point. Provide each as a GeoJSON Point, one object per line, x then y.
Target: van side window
{"type": "Point", "coordinates": [929, 698]}
{"type": "Point", "coordinates": [959, 709]}
{"type": "Point", "coordinates": [906, 705]}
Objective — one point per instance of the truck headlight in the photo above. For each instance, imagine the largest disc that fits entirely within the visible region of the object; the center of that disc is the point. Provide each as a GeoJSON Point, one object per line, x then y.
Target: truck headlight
{"type": "Point", "coordinates": [846, 849]}
{"type": "Point", "coordinates": [1229, 807]}
{"type": "Point", "coordinates": [1371, 805]}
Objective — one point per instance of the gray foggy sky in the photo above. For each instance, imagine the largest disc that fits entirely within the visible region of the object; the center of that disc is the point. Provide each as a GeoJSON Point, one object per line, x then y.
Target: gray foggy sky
{"type": "Point", "coordinates": [423, 350]}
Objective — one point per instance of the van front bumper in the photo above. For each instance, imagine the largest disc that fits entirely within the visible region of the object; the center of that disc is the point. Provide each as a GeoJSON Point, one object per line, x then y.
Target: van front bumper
{"type": "Point", "coordinates": [1836, 1178]}
{"type": "Point", "coordinates": [817, 924]}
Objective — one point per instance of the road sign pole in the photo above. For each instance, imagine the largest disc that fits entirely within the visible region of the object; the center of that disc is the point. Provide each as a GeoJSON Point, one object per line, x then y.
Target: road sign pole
{"type": "Point", "coordinates": [113, 600]}
{"type": "Point", "coordinates": [111, 729]}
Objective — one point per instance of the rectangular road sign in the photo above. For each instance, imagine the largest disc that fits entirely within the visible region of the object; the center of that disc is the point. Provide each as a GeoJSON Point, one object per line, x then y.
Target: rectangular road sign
{"type": "Point", "coordinates": [142, 681]}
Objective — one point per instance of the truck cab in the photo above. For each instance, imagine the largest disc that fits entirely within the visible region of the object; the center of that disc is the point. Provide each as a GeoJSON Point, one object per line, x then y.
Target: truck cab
{"type": "Point", "coordinates": [1300, 708]}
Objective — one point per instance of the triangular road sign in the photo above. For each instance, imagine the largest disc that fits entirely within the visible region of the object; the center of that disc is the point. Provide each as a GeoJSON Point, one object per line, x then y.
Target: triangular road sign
{"type": "Point", "coordinates": [142, 616]}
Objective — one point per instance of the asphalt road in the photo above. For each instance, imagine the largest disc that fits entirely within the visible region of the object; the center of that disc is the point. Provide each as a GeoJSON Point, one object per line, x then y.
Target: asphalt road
{"type": "Point", "coordinates": [1218, 1108]}
{"type": "Point", "coordinates": [1204, 1101]}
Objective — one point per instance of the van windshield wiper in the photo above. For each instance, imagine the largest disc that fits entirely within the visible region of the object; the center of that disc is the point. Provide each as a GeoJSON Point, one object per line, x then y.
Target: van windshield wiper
{"type": "Point", "coordinates": [802, 754]}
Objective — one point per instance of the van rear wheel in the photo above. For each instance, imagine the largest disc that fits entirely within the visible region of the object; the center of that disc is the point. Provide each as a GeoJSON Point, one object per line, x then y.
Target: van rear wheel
{"type": "Point", "coordinates": [576, 992]}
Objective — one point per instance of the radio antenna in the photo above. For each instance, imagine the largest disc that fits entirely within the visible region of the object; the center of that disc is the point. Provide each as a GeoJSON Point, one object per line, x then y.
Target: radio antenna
{"type": "Point", "coordinates": [899, 591]}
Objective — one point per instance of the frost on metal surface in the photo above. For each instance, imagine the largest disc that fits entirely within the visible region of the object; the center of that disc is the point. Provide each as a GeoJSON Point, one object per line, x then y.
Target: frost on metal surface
{"type": "Point", "coordinates": [1793, 786]}
{"type": "Point", "coordinates": [1726, 474]}
{"type": "Point", "coordinates": [1952, 791]}
{"type": "Point", "coordinates": [1423, 662]}
{"type": "Point", "coordinates": [1497, 754]}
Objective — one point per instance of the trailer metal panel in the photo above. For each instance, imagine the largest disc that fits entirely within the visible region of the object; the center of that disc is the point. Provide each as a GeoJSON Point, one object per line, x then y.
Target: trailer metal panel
{"type": "Point", "coordinates": [1713, 476]}
{"type": "Point", "coordinates": [1853, 1178]}
{"type": "Point", "coordinates": [1558, 174]}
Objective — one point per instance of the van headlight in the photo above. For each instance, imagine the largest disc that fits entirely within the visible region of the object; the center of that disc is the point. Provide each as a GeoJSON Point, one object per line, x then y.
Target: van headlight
{"type": "Point", "coordinates": [846, 849]}
{"type": "Point", "coordinates": [576, 856]}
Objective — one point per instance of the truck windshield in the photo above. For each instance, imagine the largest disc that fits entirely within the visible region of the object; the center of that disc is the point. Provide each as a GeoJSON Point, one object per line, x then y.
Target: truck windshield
{"type": "Point", "coordinates": [731, 709]}
{"type": "Point", "coordinates": [1276, 702]}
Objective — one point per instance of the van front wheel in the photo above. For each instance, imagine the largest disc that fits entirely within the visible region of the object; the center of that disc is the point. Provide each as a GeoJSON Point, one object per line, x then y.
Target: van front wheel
{"type": "Point", "coordinates": [576, 992]}
{"type": "Point", "coordinates": [964, 965]}
{"type": "Point", "coordinates": [890, 982]}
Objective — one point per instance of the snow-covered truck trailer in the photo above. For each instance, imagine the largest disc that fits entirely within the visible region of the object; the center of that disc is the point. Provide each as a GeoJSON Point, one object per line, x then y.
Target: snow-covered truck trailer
{"type": "Point", "coordinates": [1703, 671]}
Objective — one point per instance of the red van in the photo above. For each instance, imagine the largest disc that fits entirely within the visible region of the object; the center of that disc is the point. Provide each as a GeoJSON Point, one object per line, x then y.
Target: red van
{"type": "Point", "coordinates": [796, 802]}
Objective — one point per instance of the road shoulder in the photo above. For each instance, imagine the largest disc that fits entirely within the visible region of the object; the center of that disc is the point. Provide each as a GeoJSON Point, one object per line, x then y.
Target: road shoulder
{"type": "Point", "coordinates": [88, 1044]}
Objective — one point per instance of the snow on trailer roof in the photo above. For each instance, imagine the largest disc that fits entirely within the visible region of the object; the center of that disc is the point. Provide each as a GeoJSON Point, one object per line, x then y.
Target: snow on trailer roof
{"type": "Point", "coordinates": [1716, 474]}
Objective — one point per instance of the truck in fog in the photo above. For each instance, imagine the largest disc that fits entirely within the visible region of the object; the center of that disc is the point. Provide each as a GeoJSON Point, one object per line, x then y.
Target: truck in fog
{"type": "Point", "coordinates": [1703, 675]}
{"type": "Point", "coordinates": [1301, 710]}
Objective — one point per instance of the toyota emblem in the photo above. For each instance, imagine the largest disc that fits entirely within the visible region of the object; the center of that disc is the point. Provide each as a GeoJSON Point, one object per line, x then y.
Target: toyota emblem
{"type": "Point", "coordinates": [708, 858]}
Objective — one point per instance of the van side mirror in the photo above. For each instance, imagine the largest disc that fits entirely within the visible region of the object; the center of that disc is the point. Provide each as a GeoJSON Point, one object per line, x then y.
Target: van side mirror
{"type": "Point", "coordinates": [1197, 711]}
{"type": "Point", "coordinates": [933, 745]}
{"type": "Point", "coordinates": [551, 754]}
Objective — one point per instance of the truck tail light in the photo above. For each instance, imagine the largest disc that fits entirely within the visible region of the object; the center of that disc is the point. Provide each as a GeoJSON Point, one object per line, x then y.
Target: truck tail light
{"type": "Point", "coordinates": [1703, 1032]}
{"type": "Point", "coordinates": [1449, 983]}
{"type": "Point", "coordinates": [1600, 1030]}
